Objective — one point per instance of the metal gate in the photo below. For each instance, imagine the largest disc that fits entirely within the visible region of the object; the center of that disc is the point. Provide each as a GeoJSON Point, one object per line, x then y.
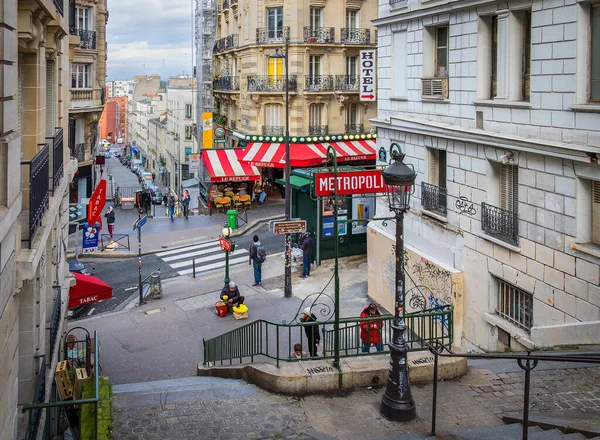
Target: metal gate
{"type": "Point", "coordinates": [125, 192]}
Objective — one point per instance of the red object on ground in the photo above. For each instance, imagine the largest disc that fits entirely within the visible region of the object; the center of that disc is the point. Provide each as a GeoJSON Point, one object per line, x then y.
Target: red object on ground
{"type": "Point", "coordinates": [88, 289]}
{"type": "Point", "coordinates": [222, 310]}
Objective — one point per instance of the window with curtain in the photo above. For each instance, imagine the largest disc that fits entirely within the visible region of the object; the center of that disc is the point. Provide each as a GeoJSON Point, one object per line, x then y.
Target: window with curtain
{"type": "Point", "coordinates": [352, 18]}
{"type": "Point", "coordinates": [441, 51]}
{"type": "Point", "coordinates": [316, 17]}
{"type": "Point", "coordinates": [275, 67]}
{"type": "Point", "coordinates": [315, 115]}
{"type": "Point", "coordinates": [314, 65]}
{"type": "Point", "coordinates": [80, 76]}
{"type": "Point", "coordinates": [352, 114]}
{"type": "Point", "coordinates": [83, 18]}
{"type": "Point", "coordinates": [273, 115]}
{"type": "Point", "coordinates": [275, 22]}
{"type": "Point", "coordinates": [351, 63]}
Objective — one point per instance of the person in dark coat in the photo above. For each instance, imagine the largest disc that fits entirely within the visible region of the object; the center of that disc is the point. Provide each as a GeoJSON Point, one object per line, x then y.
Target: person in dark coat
{"type": "Point", "coordinates": [231, 295]}
{"type": "Point", "coordinates": [110, 220]}
{"type": "Point", "coordinates": [370, 331]}
{"type": "Point", "coordinates": [312, 331]}
{"type": "Point", "coordinates": [306, 244]}
{"type": "Point", "coordinates": [147, 200]}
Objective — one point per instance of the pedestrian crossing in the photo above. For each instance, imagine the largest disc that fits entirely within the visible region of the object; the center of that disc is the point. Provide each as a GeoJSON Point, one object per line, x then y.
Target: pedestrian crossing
{"type": "Point", "coordinates": [208, 256]}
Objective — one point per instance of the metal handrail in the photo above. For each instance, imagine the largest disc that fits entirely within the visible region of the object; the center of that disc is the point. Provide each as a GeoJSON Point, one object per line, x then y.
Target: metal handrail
{"type": "Point", "coordinates": [437, 348]}
{"type": "Point", "coordinates": [276, 340]}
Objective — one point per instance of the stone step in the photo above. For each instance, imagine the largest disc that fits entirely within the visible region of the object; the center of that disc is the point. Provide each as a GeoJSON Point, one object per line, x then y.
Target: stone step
{"type": "Point", "coordinates": [172, 384]}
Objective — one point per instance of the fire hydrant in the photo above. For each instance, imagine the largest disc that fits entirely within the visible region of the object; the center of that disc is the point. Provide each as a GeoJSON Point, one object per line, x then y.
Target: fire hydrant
{"type": "Point", "coordinates": [156, 285]}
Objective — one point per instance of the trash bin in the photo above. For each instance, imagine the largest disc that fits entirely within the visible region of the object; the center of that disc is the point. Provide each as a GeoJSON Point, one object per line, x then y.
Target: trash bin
{"type": "Point", "coordinates": [232, 218]}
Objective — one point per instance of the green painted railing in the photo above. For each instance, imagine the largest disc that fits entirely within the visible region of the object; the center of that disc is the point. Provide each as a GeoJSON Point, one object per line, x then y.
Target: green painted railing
{"type": "Point", "coordinates": [276, 341]}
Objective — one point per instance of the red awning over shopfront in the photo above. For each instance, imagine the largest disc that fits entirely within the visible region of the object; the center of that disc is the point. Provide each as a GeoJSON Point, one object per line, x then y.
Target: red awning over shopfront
{"type": "Point", "coordinates": [272, 154]}
{"type": "Point", "coordinates": [88, 289]}
{"type": "Point", "coordinates": [224, 165]}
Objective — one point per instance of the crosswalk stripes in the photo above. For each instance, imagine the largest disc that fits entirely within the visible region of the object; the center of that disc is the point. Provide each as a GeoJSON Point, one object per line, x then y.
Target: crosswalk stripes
{"type": "Point", "coordinates": [208, 256]}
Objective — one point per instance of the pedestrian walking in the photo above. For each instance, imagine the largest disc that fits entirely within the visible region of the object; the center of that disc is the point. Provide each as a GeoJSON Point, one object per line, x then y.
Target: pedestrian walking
{"type": "Point", "coordinates": [312, 331]}
{"type": "Point", "coordinates": [165, 200]}
{"type": "Point", "coordinates": [185, 201]}
{"type": "Point", "coordinates": [258, 256]}
{"type": "Point", "coordinates": [171, 204]}
{"type": "Point", "coordinates": [370, 331]}
{"type": "Point", "coordinates": [231, 295]}
{"type": "Point", "coordinates": [306, 244]}
{"type": "Point", "coordinates": [110, 220]}
{"type": "Point", "coordinates": [147, 200]}
{"type": "Point", "coordinates": [153, 177]}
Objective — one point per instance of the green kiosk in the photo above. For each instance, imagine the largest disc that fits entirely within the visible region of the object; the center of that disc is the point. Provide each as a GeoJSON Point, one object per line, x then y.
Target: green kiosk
{"type": "Point", "coordinates": [318, 214]}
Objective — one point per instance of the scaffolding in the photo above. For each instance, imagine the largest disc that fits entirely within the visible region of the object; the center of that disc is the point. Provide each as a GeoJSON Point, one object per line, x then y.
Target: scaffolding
{"type": "Point", "coordinates": [205, 36]}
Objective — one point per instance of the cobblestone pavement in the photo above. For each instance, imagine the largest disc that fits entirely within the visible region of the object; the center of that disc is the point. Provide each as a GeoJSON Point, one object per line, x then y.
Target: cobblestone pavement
{"type": "Point", "coordinates": [476, 400]}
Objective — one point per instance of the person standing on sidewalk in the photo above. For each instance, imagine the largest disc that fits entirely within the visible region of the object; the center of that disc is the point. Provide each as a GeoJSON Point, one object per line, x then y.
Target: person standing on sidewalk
{"type": "Point", "coordinates": [306, 244]}
{"type": "Point", "coordinates": [185, 201]}
{"type": "Point", "coordinates": [171, 204]}
{"type": "Point", "coordinates": [370, 331]}
{"type": "Point", "coordinates": [312, 331]}
{"type": "Point", "coordinates": [258, 256]}
{"type": "Point", "coordinates": [110, 221]}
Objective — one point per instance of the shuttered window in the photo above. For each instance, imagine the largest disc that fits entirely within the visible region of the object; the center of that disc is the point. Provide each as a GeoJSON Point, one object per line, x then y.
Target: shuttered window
{"type": "Point", "coordinates": [50, 98]}
{"type": "Point", "coordinates": [596, 212]}
{"type": "Point", "coordinates": [275, 67]}
{"type": "Point", "coordinates": [273, 115]}
{"type": "Point", "coordinates": [436, 167]}
{"type": "Point", "coordinates": [352, 114]}
{"type": "Point", "coordinates": [315, 114]}
{"type": "Point", "coordinates": [509, 187]}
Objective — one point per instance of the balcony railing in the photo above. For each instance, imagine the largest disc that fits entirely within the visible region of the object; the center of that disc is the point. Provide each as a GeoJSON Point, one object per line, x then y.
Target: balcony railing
{"type": "Point", "coordinates": [272, 36]}
{"type": "Point", "coordinates": [318, 83]}
{"type": "Point", "coordinates": [226, 83]}
{"type": "Point", "coordinates": [354, 128]}
{"type": "Point", "coordinates": [78, 152]}
{"type": "Point", "coordinates": [318, 130]}
{"type": "Point", "coordinates": [265, 83]}
{"type": "Point", "coordinates": [346, 83]}
{"type": "Point", "coordinates": [82, 94]}
{"type": "Point", "coordinates": [56, 142]}
{"type": "Point", "coordinates": [39, 397]}
{"type": "Point", "coordinates": [319, 35]}
{"type": "Point", "coordinates": [39, 175]}
{"type": "Point", "coordinates": [87, 38]}
{"type": "Point", "coordinates": [272, 130]}
{"type": "Point", "coordinates": [71, 133]}
{"type": "Point", "coordinates": [227, 43]}
{"type": "Point", "coordinates": [55, 321]}
{"type": "Point", "coordinates": [500, 223]}
{"type": "Point", "coordinates": [355, 36]}
{"type": "Point", "coordinates": [433, 198]}
{"type": "Point", "coordinates": [60, 6]}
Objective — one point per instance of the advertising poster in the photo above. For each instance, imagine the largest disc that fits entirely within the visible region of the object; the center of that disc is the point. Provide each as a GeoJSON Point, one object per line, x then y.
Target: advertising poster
{"type": "Point", "coordinates": [328, 206]}
{"type": "Point", "coordinates": [362, 208]}
{"type": "Point", "coordinates": [90, 239]}
{"type": "Point", "coordinates": [328, 227]}
{"type": "Point", "coordinates": [342, 225]}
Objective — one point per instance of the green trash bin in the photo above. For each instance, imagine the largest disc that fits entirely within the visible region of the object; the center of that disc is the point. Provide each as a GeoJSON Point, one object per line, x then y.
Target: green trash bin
{"type": "Point", "coordinates": [232, 218]}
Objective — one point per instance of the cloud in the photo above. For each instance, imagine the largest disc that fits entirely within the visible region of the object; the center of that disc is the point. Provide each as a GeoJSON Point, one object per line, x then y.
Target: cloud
{"type": "Point", "coordinates": [145, 35]}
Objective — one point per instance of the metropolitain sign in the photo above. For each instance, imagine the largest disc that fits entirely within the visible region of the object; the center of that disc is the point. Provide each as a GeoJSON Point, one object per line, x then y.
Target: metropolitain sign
{"type": "Point", "coordinates": [354, 182]}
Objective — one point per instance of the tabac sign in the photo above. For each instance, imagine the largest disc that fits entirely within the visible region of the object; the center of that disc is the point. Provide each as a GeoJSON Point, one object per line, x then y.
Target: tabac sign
{"type": "Point", "coordinates": [367, 75]}
{"type": "Point", "coordinates": [97, 202]}
{"type": "Point", "coordinates": [354, 182]}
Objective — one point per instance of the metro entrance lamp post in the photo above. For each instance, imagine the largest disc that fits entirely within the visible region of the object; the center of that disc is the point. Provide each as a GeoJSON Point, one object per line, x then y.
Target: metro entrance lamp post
{"type": "Point", "coordinates": [228, 246]}
{"type": "Point", "coordinates": [287, 290]}
{"type": "Point", "coordinates": [397, 402]}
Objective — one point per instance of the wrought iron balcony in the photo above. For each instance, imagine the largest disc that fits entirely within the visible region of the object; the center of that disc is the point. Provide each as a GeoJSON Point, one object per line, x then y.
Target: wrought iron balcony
{"type": "Point", "coordinates": [272, 36]}
{"type": "Point", "coordinates": [346, 83]}
{"type": "Point", "coordinates": [87, 39]}
{"type": "Point", "coordinates": [319, 35]}
{"type": "Point", "coordinates": [82, 94]}
{"type": "Point", "coordinates": [227, 43]}
{"type": "Point", "coordinates": [39, 397]}
{"type": "Point", "coordinates": [266, 83]}
{"type": "Point", "coordinates": [60, 6]}
{"type": "Point", "coordinates": [354, 128]}
{"type": "Point", "coordinates": [272, 130]}
{"type": "Point", "coordinates": [55, 322]}
{"type": "Point", "coordinates": [500, 223]}
{"type": "Point", "coordinates": [355, 36]}
{"type": "Point", "coordinates": [78, 152]}
{"type": "Point", "coordinates": [318, 130]}
{"type": "Point", "coordinates": [56, 143]}
{"type": "Point", "coordinates": [226, 83]}
{"type": "Point", "coordinates": [39, 181]}
{"type": "Point", "coordinates": [433, 198]}
{"type": "Point", "coordinates": [318, 83]}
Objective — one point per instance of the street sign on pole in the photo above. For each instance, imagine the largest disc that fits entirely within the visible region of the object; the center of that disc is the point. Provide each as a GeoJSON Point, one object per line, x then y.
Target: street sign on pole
{"type": "Point", "coordinates": [97, 202]}
{"type": "Point", "coordinates": [225, 244]}
{"type": "Point", "coordinates": [289, 227]}
{"type": "Point", "coordinates": [367, 75]}
{"type": "Point", "coordinates": [352, 182]}
{"type": "Point", "coordinates": [140, 222]}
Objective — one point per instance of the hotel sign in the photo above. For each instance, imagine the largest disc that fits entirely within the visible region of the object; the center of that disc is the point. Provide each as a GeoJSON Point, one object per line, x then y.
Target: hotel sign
{"type": "Point", "coordinates": [367, 75]}
{"type": "Point", "coordinates": [354, 182]}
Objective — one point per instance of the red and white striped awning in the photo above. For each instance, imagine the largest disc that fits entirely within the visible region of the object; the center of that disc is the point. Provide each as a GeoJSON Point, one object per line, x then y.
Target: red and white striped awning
{"type": "Point", "coordinates": [272, 154]}
{"type": "Point", "coordinates": [224, 165]}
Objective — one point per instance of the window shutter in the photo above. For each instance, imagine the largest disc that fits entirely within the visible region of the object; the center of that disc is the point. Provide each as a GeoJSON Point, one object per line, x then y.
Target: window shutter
{"type": "Point", "coordinates": [509, 187]}
{"type": "Point", "coordinates": [50, 101]}
{"type": "Point", "coordinates": [596, 212]}
{"type": "Point", "coordinates": [434, 166]}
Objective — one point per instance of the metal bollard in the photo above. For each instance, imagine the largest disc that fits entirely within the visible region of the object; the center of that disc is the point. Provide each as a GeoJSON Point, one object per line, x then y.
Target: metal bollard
{"type": "Point", "coordinates": [194, 267]}
{"type": "Point", "coordinates": [156, 285]}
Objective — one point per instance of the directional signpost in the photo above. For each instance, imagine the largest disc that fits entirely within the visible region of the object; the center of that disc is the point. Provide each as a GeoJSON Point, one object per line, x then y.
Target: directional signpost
{"type": "Point", "coordinates": [288, 227]}
{"type": "Point", "coordinates": [141, 221]}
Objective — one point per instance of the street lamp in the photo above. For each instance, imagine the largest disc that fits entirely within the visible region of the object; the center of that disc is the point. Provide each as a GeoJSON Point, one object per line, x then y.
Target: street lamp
{"type": "Point", "coordinates": [397, 402]}
{"type": "Point", "coordinates": [228, 246]}
{"type": "Point", "coordinates": [287, 290]}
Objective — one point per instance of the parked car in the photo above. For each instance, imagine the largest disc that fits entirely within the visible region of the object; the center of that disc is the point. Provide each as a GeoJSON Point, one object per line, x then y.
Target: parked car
{"type": "Point", "coordinates": [157, 196]}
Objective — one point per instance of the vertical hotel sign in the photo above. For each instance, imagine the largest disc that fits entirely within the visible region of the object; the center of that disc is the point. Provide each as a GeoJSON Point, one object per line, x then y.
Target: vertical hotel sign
{"type": "Point", "coordinates": [367, 75]}
{"type": "Point", "coordinates": [207, 130]}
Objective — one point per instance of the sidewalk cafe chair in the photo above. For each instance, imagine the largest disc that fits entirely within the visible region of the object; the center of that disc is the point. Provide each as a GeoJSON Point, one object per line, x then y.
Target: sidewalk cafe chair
{"type": "Point", "coordinates": [236, 202]}
{"type": "Point", "coordinates": [229, 194]}
{"type": "Point", "coordinates": [218, 205]}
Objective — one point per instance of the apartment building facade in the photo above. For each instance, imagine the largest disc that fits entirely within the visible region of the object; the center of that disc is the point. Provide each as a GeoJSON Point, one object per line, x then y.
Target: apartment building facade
{"type": "Point", "coordinates": [181, 128]}
{"type": "Point", "coordinates": [113, 122]}
{"type": "Point", "coordinates": [157, 135]}
{"type": "Point", "coordinates": [324, 49]}
{"type": "Point", "coordinates": [117, 89]}
{"type": "Point", "coordinates": [35, 172]}
{"type": "Point", "coordinates": [145, 110]}
{"type": "Point", "coordinates": [138, 87]}
{"type": "Point", "coordinates": [87, 33]}
{"type": "Point", "coordinates": [495, 106]}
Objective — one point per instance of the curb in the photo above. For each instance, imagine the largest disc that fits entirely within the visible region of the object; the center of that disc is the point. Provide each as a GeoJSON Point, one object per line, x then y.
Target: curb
{"type": "Point", "coordinates": [250, 227]}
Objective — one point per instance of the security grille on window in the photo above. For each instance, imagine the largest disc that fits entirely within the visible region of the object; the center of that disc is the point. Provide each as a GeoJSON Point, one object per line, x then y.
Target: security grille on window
{"type": "Point", "coordinates": [515, 305]}
{"type": "Point", "coordinates": [188, 111]}
{"type": "Point", "coordinates": [596, 212]}
{"type": "Point", "coordinates": [80, 76]}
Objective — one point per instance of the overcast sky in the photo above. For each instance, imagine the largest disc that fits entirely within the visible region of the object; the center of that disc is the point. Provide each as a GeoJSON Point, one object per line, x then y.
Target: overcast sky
{"type": "Point", "coordinates": [149, 36]}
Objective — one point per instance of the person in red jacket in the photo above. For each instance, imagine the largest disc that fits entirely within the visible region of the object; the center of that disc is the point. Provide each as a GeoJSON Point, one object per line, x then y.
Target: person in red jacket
{"type": "Point", "coordinates": [370, 331]}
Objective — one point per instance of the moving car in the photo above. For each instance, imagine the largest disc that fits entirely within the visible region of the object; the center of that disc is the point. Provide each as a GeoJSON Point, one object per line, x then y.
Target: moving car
{"type": "Point", "coordinates": [157, 196]}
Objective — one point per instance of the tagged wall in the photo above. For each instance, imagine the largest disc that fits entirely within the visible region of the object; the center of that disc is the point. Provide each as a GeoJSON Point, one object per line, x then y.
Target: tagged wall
{"type": "Point", "coordinates": [429, 283]}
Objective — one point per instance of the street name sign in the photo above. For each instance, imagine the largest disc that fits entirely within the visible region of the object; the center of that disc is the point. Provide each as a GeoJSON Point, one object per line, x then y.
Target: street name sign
{"type": "Point", "coordinates": [289, 227]}
{"type": "Point", "coordinates": [353, 182]}
{"type": "Point", "coordinates": [140, 222]}
{"type": "Point", "coordinates": [367, 75]}
{"type": "Point", "coordinates": [225, 244]}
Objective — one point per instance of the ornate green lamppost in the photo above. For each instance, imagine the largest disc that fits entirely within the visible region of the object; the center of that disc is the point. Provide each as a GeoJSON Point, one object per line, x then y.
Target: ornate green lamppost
{"type": "Point", "coordinates": [228, 246]}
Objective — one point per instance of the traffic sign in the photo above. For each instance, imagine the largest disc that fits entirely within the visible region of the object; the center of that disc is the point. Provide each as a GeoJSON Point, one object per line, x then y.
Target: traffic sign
{"type": "Point", "coordinates": [225, 244]}
{"type": "Point", "coordinates": [289, 227]}
{"type": "Point", "coordinates": [140, 222]}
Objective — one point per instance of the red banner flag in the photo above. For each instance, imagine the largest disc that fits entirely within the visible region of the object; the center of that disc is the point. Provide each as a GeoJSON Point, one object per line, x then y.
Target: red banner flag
{"type": "Point", "coordinates": [97, 202]}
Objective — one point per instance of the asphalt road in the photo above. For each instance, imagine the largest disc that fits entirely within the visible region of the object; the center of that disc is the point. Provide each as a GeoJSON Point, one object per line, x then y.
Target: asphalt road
{"type": "Point", "coordinates": [122, 274]}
